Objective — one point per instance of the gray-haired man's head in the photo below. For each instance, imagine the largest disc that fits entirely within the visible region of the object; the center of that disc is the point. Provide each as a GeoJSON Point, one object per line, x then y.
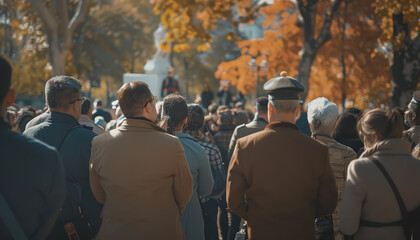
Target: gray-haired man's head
{"type": "Point", "coordinates": [61, 94]}
{"type": "Point", "coordinates": [322, 115]}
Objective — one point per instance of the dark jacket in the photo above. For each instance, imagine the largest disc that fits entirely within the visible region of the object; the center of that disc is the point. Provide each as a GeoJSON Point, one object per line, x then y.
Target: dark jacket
{"type": "Point", "coordinates": [31, 181]}
{"type": "Point", "coordinates": [75, 153]}
{"type": "Point", "coordinates": [280, 180]}
{"type": "Point", "coordinates": [206, 98]}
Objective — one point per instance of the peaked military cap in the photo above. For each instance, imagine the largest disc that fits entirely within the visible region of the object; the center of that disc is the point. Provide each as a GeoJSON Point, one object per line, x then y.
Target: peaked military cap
{"type": "Point", "coordinates": [283, 88]}
{"type": "Point", "coordinates": [416, 97]}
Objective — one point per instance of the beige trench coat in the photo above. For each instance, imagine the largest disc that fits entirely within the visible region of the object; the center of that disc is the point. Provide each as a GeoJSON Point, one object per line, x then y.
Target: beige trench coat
{"type": "Point", "coordinates": [368, 195]}
{"type": "Point", "coordinates": [280, 180]}
{"type": "Point", "coordinates": [140, 174]}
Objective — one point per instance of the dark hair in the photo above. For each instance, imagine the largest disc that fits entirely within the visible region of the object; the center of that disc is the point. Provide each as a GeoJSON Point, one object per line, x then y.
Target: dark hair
{"type": "Point", "coordinates": [86, 105]}
{"type": "Point", "coordinates": [22, 120]}
{"type": "Point", "coordinates": [262, 104]}
{"type": "Point", "coordinates": [132, 98]}
{"type": "Point", "coordinates": [98, 102]}
{"type": "Point", "coordinates": [5, 77]}
{"type": "Point", "coordinates": [240, 117]}
{"type": "Point", "coordinates": [355, 111]}
{"type": "Point", "coordinates": [386, 124]}
{"type": "Point", "coordinates": [345, 127]}
{"type": "Point", "coordinates": [175, 110]}
{"type": "Point", "coordinates": [195, 117]}
{"type": "Point", "coordinates": [213, 108]}
{"type": "Point", "coordinates": [226, 118]}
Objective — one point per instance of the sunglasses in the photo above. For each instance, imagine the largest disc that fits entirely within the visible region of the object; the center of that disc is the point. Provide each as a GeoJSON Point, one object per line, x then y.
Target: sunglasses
{"type": "Point", "coordinates": [154, 98]}
{"type": "Point", "coordinates": [77, 100]}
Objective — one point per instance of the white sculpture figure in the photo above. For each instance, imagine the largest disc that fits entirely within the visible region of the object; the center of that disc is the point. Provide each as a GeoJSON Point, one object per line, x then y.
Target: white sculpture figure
{"type": "Point", "coordinates": [160, 62]}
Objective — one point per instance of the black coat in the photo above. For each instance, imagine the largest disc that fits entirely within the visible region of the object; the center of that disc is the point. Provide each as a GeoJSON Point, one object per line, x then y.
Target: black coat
{"type": "Point", "coordinates": [31, 181]}
{"type": "Point", "coordinates": [75, 153]}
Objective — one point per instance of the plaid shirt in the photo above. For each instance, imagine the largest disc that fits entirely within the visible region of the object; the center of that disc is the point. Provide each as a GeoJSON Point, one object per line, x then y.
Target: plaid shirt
{"type": "Point", "coordinates": [214, 155]}
{"type": "Point", "coordinates": [222, 139]}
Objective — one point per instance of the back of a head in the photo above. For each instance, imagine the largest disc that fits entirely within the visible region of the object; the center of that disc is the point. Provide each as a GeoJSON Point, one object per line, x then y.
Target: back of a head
{"type": "Point", "coordinates": [132, 97]}
{"type": "Point", "coordinates": [97, 103]}
{"type": "Point", "coordinates": [195, 117]}
{"type": "Point", "coordinates": [175, 109]}
{"type": "Point", "coordinates": [286, 106]}
{"type": "Point", "coordinates": [86, 105]}
{"type": "Point", "coordinates": [355, 111]}
{"type": "Point", "coordinates": [261, 104]}
{"type": "Point", "coordinates": [345, 127]}
{"type": "Point", "coordinates": [386, 124]}
{"type": "Point", "coordinates": [322, 115]}
{"type": "Point", "coordinates": [240, 117]}
{"type": "Point", "coordinates": [226, 118]}
{"type": "Point", "coordinates": [60, 91]}
{"type": "Point", "coordinates": [5, 77]}
{"type": "Point", "coordinates": [213, 108]}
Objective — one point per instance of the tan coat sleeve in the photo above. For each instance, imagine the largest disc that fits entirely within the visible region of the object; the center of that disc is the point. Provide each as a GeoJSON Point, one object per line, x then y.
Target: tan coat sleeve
{"type": "Point", "coordinates": [327, 189]}
{"type": "Point", "coordinates": [351, 206]}
{"type": "Point", "coordinates": [95, 185]}
{"type": "Point", "coordinates": [236, 185]}
{"type": "Point", "coordinates": [183, 182]}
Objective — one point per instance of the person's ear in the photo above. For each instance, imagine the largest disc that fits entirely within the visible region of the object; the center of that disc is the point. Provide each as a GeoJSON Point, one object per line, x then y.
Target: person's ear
{"type": "Point", "coordinates": [374, 137]}
{"type": "Point", "coordinates": [310, 126]}
{"type": "Point", "coordinates": [255, 109]}
{"type": "Point", "coordinates": [297, 113]}
{"type": "Point", "coordinates": [270, 111]}
{"type": "Point", "coordinates": [413, 117]}
{"type": "Point", "coordinates": [10, 98]}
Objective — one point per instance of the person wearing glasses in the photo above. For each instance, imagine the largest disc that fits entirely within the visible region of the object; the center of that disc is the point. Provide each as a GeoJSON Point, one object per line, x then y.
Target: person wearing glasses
{"type": "Point", "coordinates": [140, 173]}
{"type": "Point", "coordinates": [62, 130]}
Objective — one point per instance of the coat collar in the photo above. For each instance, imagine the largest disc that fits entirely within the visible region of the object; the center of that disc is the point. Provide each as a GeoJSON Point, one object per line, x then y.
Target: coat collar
{"type": "Point", "coordinates": [278, 125]}
{"type": "Point", "coordinates": [184, 135]}
{"type": "Point", "coordinates": [139, 124]}
{"type": "Point", "coordinates": [58, 117]}
{"type": "Point", "coordinates": [394, 146]}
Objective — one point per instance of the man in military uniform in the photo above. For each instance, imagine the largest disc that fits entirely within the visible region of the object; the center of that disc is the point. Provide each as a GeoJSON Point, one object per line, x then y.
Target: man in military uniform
{"type": "Point", "coordinates": [280, 180]}
{"type": "Point", "coordinates": [258, 124]}
{"type": "Point", "coordinates": [412, 119]}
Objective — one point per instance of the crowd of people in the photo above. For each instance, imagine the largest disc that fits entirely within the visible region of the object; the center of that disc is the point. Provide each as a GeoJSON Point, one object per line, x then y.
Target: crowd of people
{"type": "Point", "coordinates": [209, 171]}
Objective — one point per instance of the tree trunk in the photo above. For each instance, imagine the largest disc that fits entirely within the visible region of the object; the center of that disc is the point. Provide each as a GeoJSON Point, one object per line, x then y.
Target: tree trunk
{"type": "Point", "coordinates": [59, 29]}
{"type": "Point", "coordinates": [304, 69]}
{"type": "Point", "coordinates": [311, 45]}
{"type": "Point", "coordinates": [405, 67]}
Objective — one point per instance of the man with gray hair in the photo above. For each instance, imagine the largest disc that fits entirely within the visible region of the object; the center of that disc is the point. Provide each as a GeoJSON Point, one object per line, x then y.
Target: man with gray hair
{"type": "Point", "coordinates": [280, 180]}
{"type": "Point", "coordinates": [322, 115]}
{"type": "Point", "coordinates": [62, 130]}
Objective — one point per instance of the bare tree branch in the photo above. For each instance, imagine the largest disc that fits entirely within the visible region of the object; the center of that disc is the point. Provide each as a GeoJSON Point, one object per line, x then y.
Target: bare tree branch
{"type": "Point", "coordinates": [78, 16]}
{"type": "Point", "coordinates": [325, 34]}
{"type": "Point", "coordinates": [44, 14]}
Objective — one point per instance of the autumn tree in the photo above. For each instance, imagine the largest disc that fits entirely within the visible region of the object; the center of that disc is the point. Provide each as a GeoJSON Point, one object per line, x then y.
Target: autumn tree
{"type": "Point", "coordinates": [59, 28]}
{"type": "Point", "coordinates": [399, 21]}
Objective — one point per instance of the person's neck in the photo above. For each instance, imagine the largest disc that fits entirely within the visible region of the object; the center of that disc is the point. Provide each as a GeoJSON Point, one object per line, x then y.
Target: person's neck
{"type": "Point", "coordinates": [261, 116]}
{"type": "Point", "coordinates": [140, 116]}
{"type": "Point", "coordinates": [63, 111]}
{"type": "Point", "coordinates": [284, 117]}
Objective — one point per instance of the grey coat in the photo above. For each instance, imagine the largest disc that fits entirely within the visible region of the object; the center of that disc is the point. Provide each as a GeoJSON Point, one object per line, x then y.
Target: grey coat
{"type": "Point", "coordinates": [75, 153]}
{"type": "Point", "coordinates": [368, 196]}
{"type": "Point", "coordinates": [192, 218]}
{"type": "Point", "coordinates": [244, 130]}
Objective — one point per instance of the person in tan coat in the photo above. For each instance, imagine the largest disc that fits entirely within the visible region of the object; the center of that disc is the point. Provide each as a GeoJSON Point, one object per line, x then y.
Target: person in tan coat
{"type": "Point", "coordinates": [140, 174]}
{"type": "Point", "coordinates": [368, 197]}
{"type": "Point", "coordinates": [280, 180]}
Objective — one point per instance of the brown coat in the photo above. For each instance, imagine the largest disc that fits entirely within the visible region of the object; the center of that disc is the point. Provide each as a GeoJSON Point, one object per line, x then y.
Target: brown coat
{"type": "Point", "coordinates": [280, 180]}
{"type": "Point", "coordinates": [143, 189]}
